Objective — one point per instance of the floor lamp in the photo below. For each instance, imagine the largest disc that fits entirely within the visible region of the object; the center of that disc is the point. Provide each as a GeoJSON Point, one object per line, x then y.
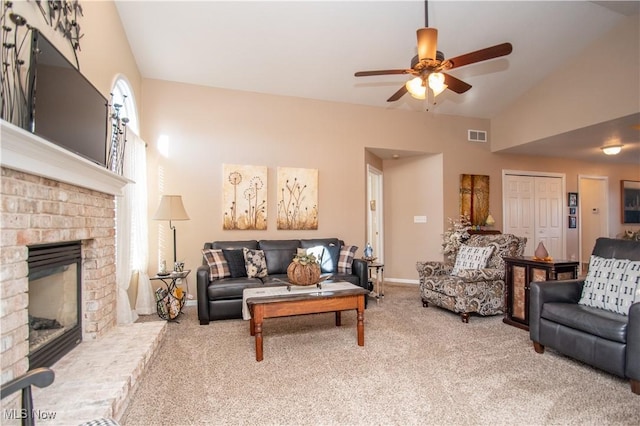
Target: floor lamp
{"type": "Point", "coordinates": [171, 208]}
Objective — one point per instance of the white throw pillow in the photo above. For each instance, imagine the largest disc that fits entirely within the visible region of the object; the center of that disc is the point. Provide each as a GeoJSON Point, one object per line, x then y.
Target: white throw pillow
{"type": "Point", "coordinates": [611, 284]}
{"type": "Point", "coordinates": [471, 258]}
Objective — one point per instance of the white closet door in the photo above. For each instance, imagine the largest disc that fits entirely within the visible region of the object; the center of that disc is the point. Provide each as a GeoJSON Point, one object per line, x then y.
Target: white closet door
{"type": "Point", "coordinates": [519, 200]}
{"type": "Point", "coordinates": [548, 217]}
{"type": "Point", "coordinates": [534, 209]}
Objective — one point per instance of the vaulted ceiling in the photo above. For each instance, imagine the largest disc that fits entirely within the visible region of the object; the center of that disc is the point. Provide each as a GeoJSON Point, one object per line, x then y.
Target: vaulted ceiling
{"type": "Point", "coordinates": [311, 49]}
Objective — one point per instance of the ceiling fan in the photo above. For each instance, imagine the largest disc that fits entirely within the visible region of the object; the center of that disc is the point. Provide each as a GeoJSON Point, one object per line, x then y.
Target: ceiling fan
{"type": "Point", "coordinates": [428, 65]}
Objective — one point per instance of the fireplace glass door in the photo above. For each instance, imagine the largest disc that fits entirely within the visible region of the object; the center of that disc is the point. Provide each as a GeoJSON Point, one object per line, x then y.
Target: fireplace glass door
{"type": "Point", "coordinates": [54, 301]}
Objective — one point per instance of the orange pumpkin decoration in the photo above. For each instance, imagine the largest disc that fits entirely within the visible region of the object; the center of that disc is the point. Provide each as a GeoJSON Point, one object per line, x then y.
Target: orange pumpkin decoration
{"type": "Point", "coordinates": [303, 274]}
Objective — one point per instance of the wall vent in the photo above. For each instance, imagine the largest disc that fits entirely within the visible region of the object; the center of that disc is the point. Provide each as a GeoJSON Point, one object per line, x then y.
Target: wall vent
{"type": "Point", "coordinates": [477, 135]}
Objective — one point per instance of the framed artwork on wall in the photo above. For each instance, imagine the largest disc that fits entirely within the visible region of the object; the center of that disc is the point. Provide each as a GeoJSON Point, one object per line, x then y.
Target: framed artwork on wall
{"type": "Point", "coordinates": [572, 211]}
{"type": "Point", "coordinates": [297, 198]}
{"type": "Point", "coordinates": [244, 193]}
{"type": "Point", "coordinates": [572, 199]}
{"type": "Point", "coordinates": [573, 222]}
{"type": "Point", "coordinates": [474, 198]}
{"type": "Point", "coordinates": [630, 196]}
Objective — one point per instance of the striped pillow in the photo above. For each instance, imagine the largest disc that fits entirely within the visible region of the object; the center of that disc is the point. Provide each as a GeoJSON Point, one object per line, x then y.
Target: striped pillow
{"type": "Point", "coordinates": [345, 261]}
{"type": "Point", "coordinates": [218, 266]}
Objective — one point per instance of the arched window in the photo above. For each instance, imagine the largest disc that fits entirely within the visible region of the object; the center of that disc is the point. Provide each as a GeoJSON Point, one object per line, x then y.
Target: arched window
{"type": "Point", "coordinates": [123, 95]}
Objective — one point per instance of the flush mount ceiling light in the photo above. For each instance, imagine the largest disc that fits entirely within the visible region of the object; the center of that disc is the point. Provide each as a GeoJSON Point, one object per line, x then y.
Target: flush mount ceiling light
{"type": "Point", "coordinates": [612, 149]}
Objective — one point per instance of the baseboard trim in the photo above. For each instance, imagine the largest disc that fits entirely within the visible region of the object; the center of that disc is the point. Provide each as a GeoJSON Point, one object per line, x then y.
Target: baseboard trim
{"type": "Point", "coordinates": [401, 281]}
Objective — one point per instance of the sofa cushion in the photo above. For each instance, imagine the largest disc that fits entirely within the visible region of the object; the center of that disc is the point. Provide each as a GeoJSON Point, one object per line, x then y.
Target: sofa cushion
{"type": "Point", "coordinates": [235, 259]}
{"type": "Point", "coordinates": [279, 254]}
{"type": "Point", "coordinates": [255, 263]}
{"type": "Point", "coordinates": [610, 284]}
{"type": "Point", "coordinates": [595, 321]}
{"type": "Point", "coordinates": [345, 262]}
{"type": "Point", "coordinates": [230, 288]}
{"type": "Point", "coordinates": [471, 258]}
{"type": "Point", "coordinates": [218, 266]}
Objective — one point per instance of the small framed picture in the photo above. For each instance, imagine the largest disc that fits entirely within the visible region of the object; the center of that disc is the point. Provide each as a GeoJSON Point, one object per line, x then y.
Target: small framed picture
{"type": "Point", "coordinates": [573, 222]}
{"type": "Point", "coordinates": [572, 211]}
{"type": "Point", "coordinates": [573, 199]}
{"type": "Point", "coordinates": [630, 196]}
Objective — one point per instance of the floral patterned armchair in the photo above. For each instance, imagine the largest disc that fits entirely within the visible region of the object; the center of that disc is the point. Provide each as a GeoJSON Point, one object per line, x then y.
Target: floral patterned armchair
{"type": "Point", "coordinates": [471, 290]}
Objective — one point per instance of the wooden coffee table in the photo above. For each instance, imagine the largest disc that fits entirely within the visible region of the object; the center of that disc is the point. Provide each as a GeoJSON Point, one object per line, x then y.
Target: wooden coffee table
{"type": "Point", "coordinates": [284, 305]}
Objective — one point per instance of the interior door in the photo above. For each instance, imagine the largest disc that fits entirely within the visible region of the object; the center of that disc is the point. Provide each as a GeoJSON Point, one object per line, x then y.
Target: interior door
{"type": "Point", "coordinates": [549, 215]}
{"type": "Point", "coordinates": [375, 212]}
{"type": "Point", "coordinates": [533, 208]}
{"type": "Point", "coordinates": [519, 205]}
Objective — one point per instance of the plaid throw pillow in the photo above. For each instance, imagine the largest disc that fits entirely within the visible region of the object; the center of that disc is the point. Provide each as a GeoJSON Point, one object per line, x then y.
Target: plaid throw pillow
{"type": "Point", "coordinates": [347, 253]}
{"type": "Point", "coordinates": [255, 262]}
{"type": "Point", "coordinates": [218, 266]}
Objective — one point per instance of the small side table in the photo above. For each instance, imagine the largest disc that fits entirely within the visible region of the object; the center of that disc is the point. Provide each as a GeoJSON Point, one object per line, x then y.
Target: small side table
{"type": "Point", "coordinates": [169, 307]}
{"type": "Point", "coordinates": [520, 272]}
{"type": "Point", "coordinates": [378, 282]}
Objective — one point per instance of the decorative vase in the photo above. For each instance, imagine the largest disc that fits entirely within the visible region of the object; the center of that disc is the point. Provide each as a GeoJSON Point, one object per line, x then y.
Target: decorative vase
{"type": "Point", "coordinates": [303, 274]}
{"type": "Point", "coordinates": [541, 252]}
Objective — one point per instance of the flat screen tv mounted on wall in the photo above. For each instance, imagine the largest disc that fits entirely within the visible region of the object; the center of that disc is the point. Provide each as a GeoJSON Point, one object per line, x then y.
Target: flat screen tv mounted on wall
{"type": "Point", "coordinates": [65, 108]}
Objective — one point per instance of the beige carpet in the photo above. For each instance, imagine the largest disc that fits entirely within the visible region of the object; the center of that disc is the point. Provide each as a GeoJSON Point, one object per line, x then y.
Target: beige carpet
{"type": "Point", "coordinates": [418, 366]}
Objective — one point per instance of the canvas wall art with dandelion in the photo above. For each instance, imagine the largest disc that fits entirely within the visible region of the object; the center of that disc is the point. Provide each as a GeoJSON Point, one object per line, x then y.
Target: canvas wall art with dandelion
{"type": "Point", "coordinates": [244, 192]}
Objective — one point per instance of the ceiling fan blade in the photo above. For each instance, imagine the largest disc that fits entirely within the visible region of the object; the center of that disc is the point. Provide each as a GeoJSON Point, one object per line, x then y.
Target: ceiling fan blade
{"type": "Point", "coordinates": [427, 43]}
{"type": "Point", "coordinates": [381, 72]}
{"type": "Point", "coordinates": [480, 55]}
{"type": "Point", "coordinates": [400, 93]}
{"type": "Point", "coordinates": [456, 84]}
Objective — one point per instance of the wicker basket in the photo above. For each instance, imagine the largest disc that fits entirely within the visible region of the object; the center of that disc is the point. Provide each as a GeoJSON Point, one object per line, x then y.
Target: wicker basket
{"type": "Point", "coordinates": [300, 274]}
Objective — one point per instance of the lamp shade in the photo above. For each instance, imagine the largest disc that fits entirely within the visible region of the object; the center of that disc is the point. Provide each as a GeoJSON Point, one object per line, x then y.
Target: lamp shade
{"type": "Point", "coordinates": [436, 83]}
{"type": "Point", "coordinates": [171, 208]}
{"type": "Point", "coordinates": [416, 88]}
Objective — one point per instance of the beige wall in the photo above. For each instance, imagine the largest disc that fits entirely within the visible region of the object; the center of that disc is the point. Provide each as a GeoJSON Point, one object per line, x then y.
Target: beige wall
{"type": "Point", "coordinates": [600, 84]}
{"type": "Point", "coordinates": [208, 127]}
{"type": "Point", "coordinates": [412, 187]}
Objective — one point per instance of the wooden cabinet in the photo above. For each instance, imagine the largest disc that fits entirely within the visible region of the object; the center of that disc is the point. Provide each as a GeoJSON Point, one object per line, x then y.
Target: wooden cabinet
{"type": "Point", "coordinates": [520, 272]}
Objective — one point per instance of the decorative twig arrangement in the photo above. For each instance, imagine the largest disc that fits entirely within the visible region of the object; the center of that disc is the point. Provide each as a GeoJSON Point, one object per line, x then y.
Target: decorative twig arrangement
{"type": "Point", "coordinates": [118, 137]}
{"type": "Point", "coordinates": [15, 66]}
{"type": "Point", "coordinates": [62, 15]}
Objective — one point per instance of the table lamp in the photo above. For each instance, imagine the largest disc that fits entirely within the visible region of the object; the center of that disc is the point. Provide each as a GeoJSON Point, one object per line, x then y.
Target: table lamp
{"type": "Point", "coordinates": [171, 208]}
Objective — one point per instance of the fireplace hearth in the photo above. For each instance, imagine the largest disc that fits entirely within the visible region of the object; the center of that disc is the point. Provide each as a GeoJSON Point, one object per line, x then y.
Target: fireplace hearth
{"type": "Point", "coordinates": [55, 282]}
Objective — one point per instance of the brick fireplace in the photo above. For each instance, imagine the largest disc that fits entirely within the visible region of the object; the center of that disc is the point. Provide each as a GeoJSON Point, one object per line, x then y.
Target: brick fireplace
{"type": "Point", "coordinates": [48, 196]}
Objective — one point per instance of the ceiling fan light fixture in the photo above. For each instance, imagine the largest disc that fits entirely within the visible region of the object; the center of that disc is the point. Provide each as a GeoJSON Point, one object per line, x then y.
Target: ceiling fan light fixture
{"type": "Point", "coordinates": [612, 149]}
{"type": "Point", "coordinates": [436, 83]}
{"type": "Point", "coordinates": [416, 88]}
{"type": "Point", "coordinates": [427, 43]}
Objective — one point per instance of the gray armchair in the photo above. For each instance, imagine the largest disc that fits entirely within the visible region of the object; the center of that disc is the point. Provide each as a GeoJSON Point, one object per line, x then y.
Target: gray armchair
{"type": "Point", "coordinates": [606, 340]}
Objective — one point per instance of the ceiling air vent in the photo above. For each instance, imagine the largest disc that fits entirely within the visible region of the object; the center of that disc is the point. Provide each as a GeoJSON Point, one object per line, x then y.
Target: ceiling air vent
{"type": "Point", "coordinates": [477, 135]}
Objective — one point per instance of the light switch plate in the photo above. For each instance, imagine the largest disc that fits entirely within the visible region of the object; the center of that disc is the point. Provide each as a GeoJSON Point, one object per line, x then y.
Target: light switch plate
{"type": "Point", "coordinates": [419, 219]}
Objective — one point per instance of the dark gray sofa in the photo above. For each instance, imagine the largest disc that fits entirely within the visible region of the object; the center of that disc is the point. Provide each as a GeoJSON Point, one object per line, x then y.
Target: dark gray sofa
{"type": "Point", "coordinates": [607, 340]}
{"type": "Point", "coordinates": [222, 298]}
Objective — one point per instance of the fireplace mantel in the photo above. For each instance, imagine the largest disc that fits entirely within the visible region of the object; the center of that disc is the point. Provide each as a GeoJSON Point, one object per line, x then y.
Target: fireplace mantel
{"type": "Point", "coordinates": [29, 153]}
